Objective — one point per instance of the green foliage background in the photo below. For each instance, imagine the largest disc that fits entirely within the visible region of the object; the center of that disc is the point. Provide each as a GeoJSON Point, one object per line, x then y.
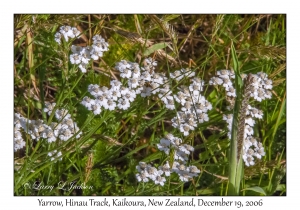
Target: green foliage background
{"type": "Point", "coordinates": [114, 142]}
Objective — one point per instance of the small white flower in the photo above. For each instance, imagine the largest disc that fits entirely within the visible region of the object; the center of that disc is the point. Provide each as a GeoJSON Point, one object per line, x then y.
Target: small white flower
{"type": "Point", "coordinates": [85, 55]}
{"type": "Point", "coordinates": [185, 129]}
{"type": "Point", "coordinates": [141, 167]}
{"type": "Point", "coordinates": [248, 160]}
{"type": "Point", "coordinates": [224, 74]}
{"type": "Point", "coordinates": [228, 118]}
{"type": "Point", "coordinates": [253, 141]}
{"type": "Point", "coordinates": [195, 88]}
{"type": "Point", "coordinates": [180, 98]}
{"type": "Point", "coordinates": [99, 44]}
{"type": "Point", "coordinates": [250, 121]}
{"type": "Point", "coordinates": [201, 99]}
{"type": "Point", "coordinates": [259, 95]}
{"type": "Point", "coordinates": [142, 176]}
{"type": "Point", "coordinates": [115, 94]}
{"type": "Point", "coordinates": [87, 102]}
{"type": "Point", "coordinates": [111, 105]}
{"type": "Point", "coordinates": [57, 37]}
{"type": "Point", "coordinates": [256, 113]}
{"type": "Point", "coordinates": [194, 171]}
{"type": "Point", "coordinates": [133, 82]}
{"type": "Point", "coordinates": [146, 91]}
{"type": "Point", "coordinates": [65, 135]}
{"type": "Point", "coordinates": [248, 130]}
{"type": "Point", "coordinates": [123, 104]}
{"type": "Point", "coordinates": [96, 108]}
{"type": "Point", "coordinates": [260, 152]}
{"type": "Point", "coordinates": [136, 71]}
{"type": "Point", "coordinates": [201, 117]}
{"type": "Point", "coordinates": [187, 106]}
{"type": "Point", "coordinates": [169, 102]}
{"type": "Point", "coordinates": [94, 90]}
{"type": "Point", "coordinates": [158, 78]}
{"type": "Point", "coordinates": [75, 33]}
{"type": "Point", "coordinates": [187, 72]}
{"type": "Point", "coordinates": [164, 145]}
{"type": "Point", "coordinates": [49, 107]}
{"type": "Point", "coordinates": [177, 75]}
{"type": "Point", "coordinates": [82, 67]}
{"type": "Point", "coordinates": [215, 81]}
{"type": "Point", "coordinates": [54, 154]}
{"type": "Point", "coordinates": [62, 114]}
{"type": "Point", "coordinates": [115, 84]}
{"type": "Point", "coordinates": [126, 73]}
{"type": "Point", "coordinates": [227, 83]}
{"type": "Point", "coordinates": [122, 65]}
{"type": "Point", "coordinates": [247, 143]}
{"type": "Point", "coordinates": [231, 92]}
{"type": "Point", "coordinates": [76, 49]}
{"type": "Point", "coordinates": [19, 143]}
{"type": "Point", "coordinates": [124, 90]}
{"type": "Point", "coordinates": [95, 55]}
{"type": "Point", "coordinates": [155, 87]}
{"type": "Point", "coordinates": [75, 58]}
{"type": "Point", "coordinates": [50, 135]}
{"type": "Point", "coordinates": [160, 180]}
{"type": "Point", "coordinates": [152, 172]}
{"type": "Point", "coordinates": [267, 83]}
{"type": "Point", "coordinates": [166, 169]}
{"type": "Point", "coordinates": [150, 61]}
{"type": "Point", "coordinates": [130, 95]}
{"type": "Point", "coordinates": [184, 176]}
{"type": "Point", "coordinates": [268, 94]}
{"type": "Point", "coordinates": [175, 142]}
{"type": "Point", "coordinates": [146, 76]}
{"type": "Point", "coordinates": [65, 31]}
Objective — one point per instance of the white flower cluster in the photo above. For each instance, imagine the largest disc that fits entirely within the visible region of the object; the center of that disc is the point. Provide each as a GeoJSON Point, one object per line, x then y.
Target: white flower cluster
{"type": "Point", "coordinates": [261, 87]}
{"type": "Point", "coordinates": [141, 81]}
{"type": "Point", "coordinates": [117, 96]}
{"type": "Point", "coordinates": [194, 107]}
{"type": "Point", "coordinates": [82, 55]}
{"type": "Point", "coordinates": [260, 90]}
{"type": "Point", "coordinates": [19, 122]}
{"type": "Point", "coordinates": [55, 155]}
{"type": "Point", "coordinates": [251, 147]}
{"type": "Point", "coordinates": [63, 130]}
{"type": "Point", "coordinates": [66, 32]}
{"type": "Point", "coordinates": [180, 74]}
{"type": "Point", "coordinates": [181, 153]}
{"type": "Point", "coordinates": [146, 82]}
{"type": "Point", "coordinates": [224, 78]}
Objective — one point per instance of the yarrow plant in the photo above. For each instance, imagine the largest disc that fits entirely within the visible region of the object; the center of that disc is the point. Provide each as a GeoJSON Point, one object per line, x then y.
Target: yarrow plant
{"type": "Point", "coordinates": [81, 56]}
{"type": "Point", "coordinates": [258, 87]}
{"type": "Point", "coordinates": [66, 32]}
{"type": "Point", "coordinates": [64, 129]}
{"type": "Point", "coordinates": [149, 125]}
{"type": "Point", "coordinates": [180, 153]}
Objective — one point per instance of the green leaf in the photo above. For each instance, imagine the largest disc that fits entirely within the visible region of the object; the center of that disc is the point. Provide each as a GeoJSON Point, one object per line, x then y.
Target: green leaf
{"type": "Point", "coordinates": [256, 189]}
{"type": "Point", "coordinates": [155, 47]}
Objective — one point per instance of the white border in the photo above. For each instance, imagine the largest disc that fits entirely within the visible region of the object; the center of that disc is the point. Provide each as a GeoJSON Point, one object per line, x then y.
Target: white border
{"type": "Point", "coordinates": [153, 6]}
